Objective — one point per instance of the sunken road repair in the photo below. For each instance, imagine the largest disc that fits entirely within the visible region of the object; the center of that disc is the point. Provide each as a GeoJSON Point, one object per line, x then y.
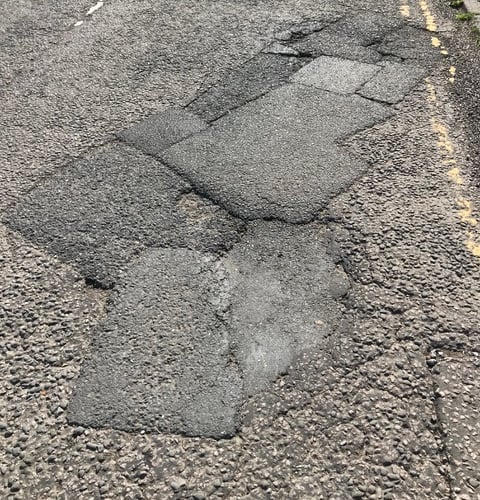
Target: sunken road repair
{"type": "Point", "coordinates": [204, 223]}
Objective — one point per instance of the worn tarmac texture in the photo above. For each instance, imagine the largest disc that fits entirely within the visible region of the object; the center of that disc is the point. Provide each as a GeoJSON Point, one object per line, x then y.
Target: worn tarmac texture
{"type": "Point", "coordinates": [188, 336]}
{"type": "Point", "coordinates": [456, 351]}
{"type": "Point", "coordinates": [277, 156]}
{"type": "Point", "coordinates": [375, 412]}
{"type": "Point", "coordinates": [457, 389]}
{"type": "Point", "coordinates": [417, 232]}
{"type": "Point", "coordinates": [102, 211]}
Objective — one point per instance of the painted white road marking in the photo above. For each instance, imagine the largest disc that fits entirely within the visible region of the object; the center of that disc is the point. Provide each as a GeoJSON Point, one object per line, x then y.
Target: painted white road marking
{"type": "Point", "coordinates": [97, 6]}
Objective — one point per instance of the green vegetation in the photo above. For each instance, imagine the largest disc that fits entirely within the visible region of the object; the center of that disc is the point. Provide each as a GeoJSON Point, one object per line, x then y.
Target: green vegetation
{"type": "Point", "coordinates": [456, 4]}
{"type": "Point", "coordinates": [465, 16]}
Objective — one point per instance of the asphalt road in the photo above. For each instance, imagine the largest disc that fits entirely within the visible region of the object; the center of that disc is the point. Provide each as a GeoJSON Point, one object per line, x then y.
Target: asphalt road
{"type": "Point", "coordinates": [239, 250]}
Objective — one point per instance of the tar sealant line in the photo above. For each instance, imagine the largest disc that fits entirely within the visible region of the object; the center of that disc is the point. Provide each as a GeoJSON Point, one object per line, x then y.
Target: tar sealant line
{"type": "Point", "coordinates": [91, 11]}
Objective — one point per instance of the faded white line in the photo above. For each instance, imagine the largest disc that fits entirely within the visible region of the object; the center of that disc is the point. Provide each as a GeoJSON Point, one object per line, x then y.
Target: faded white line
{"type": "Point", "coordinates": [90, 11]}
{"type": "Point", "coordinates": [97, 6]}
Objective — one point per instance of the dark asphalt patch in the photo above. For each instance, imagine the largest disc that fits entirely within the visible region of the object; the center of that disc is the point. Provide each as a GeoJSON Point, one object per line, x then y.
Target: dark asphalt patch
{"type": "Point", "coordinates": [162, 130]}
{"type": "Point", "coordinates": [161, 360]}
{"type": "Point", "coordinates": [410, 43]}
{"type": "Point", "coordinates": [249, 81]}
{"type": "Point", "coordinates": [98, 213]}
{"type": "Point", "coordinates": [366, 28]}
{"type": "Point", "coordinates": [188, 335]}
{"type": "Point", "coordinates": [350, 38]}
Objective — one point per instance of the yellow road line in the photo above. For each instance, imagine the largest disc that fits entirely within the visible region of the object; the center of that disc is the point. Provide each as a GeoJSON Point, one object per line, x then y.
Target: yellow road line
{"type": "Point", "coordinates": [445, 145]}
{"type": "Point", "coordinates": [455, 176]}
{"type": "Point", "coordinates": [405, 10]}
{"type": "Point", "coordinates": [429, 19]}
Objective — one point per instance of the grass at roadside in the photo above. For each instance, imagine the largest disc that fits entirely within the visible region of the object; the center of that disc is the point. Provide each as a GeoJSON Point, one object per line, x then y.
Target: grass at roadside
{"type": "Point", "coordinates": [465, 16]}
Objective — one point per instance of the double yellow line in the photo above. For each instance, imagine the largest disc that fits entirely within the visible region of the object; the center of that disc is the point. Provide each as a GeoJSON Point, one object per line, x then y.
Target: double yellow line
{"type": "Point", "coordinates": [466, 210]}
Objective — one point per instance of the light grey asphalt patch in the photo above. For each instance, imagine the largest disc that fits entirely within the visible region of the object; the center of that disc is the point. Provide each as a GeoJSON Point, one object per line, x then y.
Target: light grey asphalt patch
{"type": "Point", "coordinates": [283, 300]}
{"type": "Point", "coordinates": [162, 130]}
{"type": "Point", "coordinates": [276, 157]}
{"type": "Point", "coordinates": [336, 75]}
{"type": "Point", "coordinates": [99, 212]}
{"type": "Point", "coordinates": [161, 360]}
{"type": "Point", "coordinates": [188, 335]}
{"type": "Point", "coordinates": [249, 81]}
{"type": "Point", "coordinates": [392, 82]}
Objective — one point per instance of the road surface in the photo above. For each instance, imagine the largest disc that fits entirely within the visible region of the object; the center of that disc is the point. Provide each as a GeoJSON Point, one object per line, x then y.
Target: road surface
{"type": "Point", "coordinates": [240, 250]}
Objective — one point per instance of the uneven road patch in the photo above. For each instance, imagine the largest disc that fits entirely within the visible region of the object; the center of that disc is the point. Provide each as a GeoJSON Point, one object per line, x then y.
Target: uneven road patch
{"type": "Point", "coordinates": [188, 335]}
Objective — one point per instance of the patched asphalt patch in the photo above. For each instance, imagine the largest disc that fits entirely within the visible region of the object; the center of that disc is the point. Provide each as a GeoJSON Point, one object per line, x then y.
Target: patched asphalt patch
{"type": "Point", "coordinates": [208, 310]}
{"type": "Point", "coordinates": [277, 157]}
{"type": "Point", "coordinates": [392, 82]}
{"type": "Point", "coordinates": [335, 74]}
{"type": "Point", "coordinates": [161, 360]}
{"type": "Point", "coordinates": [249, 81]}
{"type": "Point", "coordinates": [98, 213]}
{"type": "Point", "coordinates": [350, 38]}
{"type": "Point", "coordinates": [162, 130]}
{"type": "Point", "coordinates": [283, 297]}
{"type": "Point", "coordinates": [365, 28]}
{"type": "Point", "coordinates": [410, 43]}
{"type": "Point", "coordinates": [189, 336]}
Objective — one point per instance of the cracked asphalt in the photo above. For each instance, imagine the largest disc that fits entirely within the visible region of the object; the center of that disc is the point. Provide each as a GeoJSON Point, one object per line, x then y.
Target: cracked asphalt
{"type": "Point", "coordinates": [239, 250]}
